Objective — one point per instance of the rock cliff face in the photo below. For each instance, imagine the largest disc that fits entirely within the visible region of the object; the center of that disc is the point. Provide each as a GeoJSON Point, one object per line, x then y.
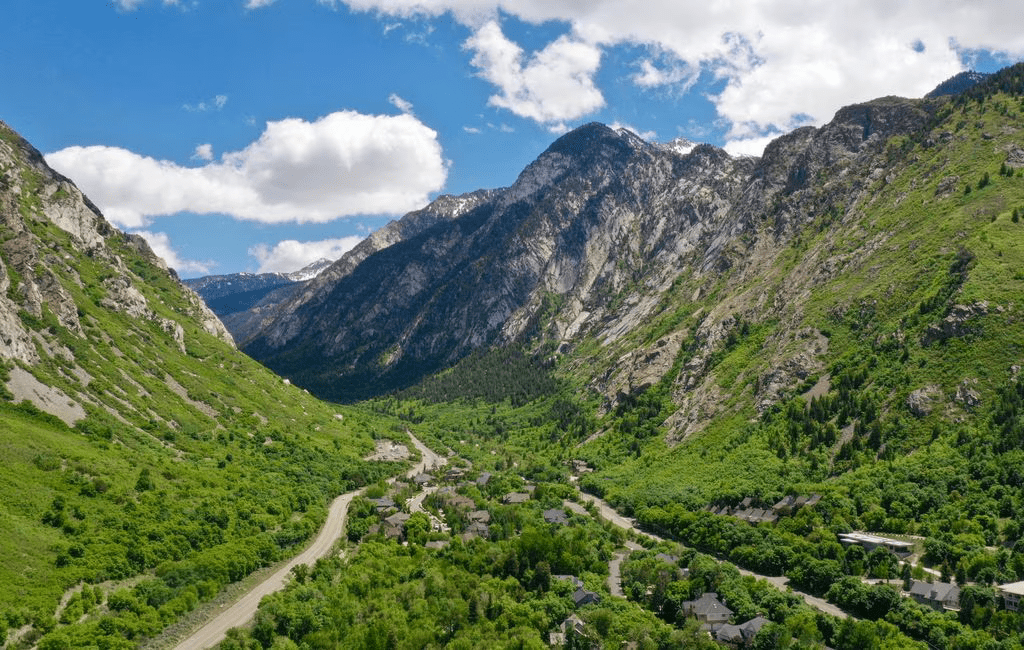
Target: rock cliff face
{"type": "Point", "coordinates": [635, 264]}
{"type": "Point", "coordinates": [588, 242]}
{"type": "Point", "coordinates": [37, 270]}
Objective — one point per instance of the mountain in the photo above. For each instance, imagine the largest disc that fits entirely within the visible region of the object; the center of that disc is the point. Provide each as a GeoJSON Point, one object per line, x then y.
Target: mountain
{"type": "Point", "coordinates": [239, 299]}
{"type": "Point", "coordinates": [227, 294]}
{"type": "Point", "coordinates": [605, 234]}
{"type": "Point", "coordinates": [958, 83]}
{"type": "Point", "coordinates": [246, 302]}
{"type": "Point", "coordinates": [588, 242]}
{"type": "Point", "coordinates": [753, 357]}
{"type": "Point", "coordinates": [144, 456]}
{"type": "Point", "coordinates": [309, 271]}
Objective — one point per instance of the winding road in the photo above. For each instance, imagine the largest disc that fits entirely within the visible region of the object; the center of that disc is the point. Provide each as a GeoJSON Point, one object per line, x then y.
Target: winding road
{"type": "Point", "coordinates": [242, 611]}
{"type": "Point", "coordinates": [609, 513]}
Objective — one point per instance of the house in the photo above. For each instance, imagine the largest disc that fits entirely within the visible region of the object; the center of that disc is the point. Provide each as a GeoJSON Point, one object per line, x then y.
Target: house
{"type": "Point", "coordinates": [515, 497]}
{"type": "Point", "coordinates": [574, 624]}
{"type": "Point", "coordinates": [482, 516]}
{"type": "Point", "coordinates": [382, 504]}
{"type": "Point", "coordinates": [397, 519]}
{"type": "Point", "coordinates": [938, 595]}
{"type": "Point", "coordinates": [1011, 594]}
{"type": "Point", "coordinates": [707, 609]}
{"type": "Point", "coordinates": [582, 597]}
{"type": "Point", "coordinates": [742, 635]}
{"type": "Point", "coordinates": [576, 582]}
{"type": "Point", "coordinates": [459, 501]}
{"type": "Point", "coordinates": [477, 529]}
{"type": "Point", "coordinates": [422, 479]}
{"type": "Point", "coordinates": [556, 516]}
{"type": "Point", "coordinates": [786, 502]}
{"type": "Point", "coordinates": [871, 542]}
{"type": "Point", "coordinates": [754, 515]}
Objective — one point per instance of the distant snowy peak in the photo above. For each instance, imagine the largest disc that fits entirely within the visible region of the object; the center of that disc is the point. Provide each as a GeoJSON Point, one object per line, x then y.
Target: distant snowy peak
{"type": "Point", "coordinates": [681, 146]}
{"type": "Point", "coordinates": [309, 272]}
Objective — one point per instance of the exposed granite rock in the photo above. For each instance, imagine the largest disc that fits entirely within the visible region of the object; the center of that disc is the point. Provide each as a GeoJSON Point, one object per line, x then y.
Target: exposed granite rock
{"type": "Point", "coordinates": [33, 276]}
{"type": "Point", "coordinates": [923, 401]}
{"type": "Point", "coordinates": [586, 242]}
{"type": "Point", "coordinates": [947, 186]}
{"type": "Point", "coordinates": [967, 394]}
{"type": "Point", "coordinates": [956, 324]}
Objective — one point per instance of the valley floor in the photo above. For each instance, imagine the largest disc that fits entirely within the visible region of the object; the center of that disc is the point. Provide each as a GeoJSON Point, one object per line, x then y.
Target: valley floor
{"type": "Point", "coordinates": [243, 610]}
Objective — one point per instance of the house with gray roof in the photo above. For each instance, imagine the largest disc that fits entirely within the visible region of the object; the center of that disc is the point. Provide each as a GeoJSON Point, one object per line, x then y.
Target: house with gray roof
{"type": "Point", "coordinates": [1011, 593]}
{"type": "Point", "coordinates": [556, 516]}
{"type": "Point", "coordinates": [515, 497]}
{"type": "Point", "coordinates": [576, 582]}
{"type": "Point", "coordinates": [477, 529]}
{"type": "Point", "coordinates": [707, 609]}
{"type": "Point", "coordinates": [482, 516]}
{"type": "Point", "coordinates": [571, 625]}
{"type": "Point", "coordinates": [582, 597]}
{"type": "Point", "coordinates": [937, 595]}
{"type": "Point", "coordinates": [739, 636]}
{"type": "Point", "coordinates": [382, 504]}
{"type": "Point", "coordinates": [398, 519]}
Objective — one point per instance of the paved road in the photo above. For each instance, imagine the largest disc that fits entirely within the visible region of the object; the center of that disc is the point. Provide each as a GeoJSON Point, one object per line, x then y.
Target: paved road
{"type": "Point", "coordinates": [245, 607]}
{"type": "Point", "coordinates": [611, 515]}
{"type": "Point", "coordinates": [615, 574]}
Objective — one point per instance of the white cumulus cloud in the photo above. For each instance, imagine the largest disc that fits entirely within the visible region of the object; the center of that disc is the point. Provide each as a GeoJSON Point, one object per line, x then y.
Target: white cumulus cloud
{"type": "Point", "coordinates": [161, 245]}
{"type": "Point", "coordinates": [343, 164]}
{"type": "Point", "coordinates": [783, 63]}
{"type": "Point", "coordinates": [203, 152]}
{"type": "Point", "coordinates": [553, 85]}
{"type": "Point", "coordinates": [291, 255]}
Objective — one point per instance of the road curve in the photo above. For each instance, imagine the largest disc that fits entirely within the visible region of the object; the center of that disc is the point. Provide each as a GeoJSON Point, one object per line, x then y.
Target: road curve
{"type": "Point", "coordinates": [242, 611]}
{"type": "Point", "coordinates": [609, 513]}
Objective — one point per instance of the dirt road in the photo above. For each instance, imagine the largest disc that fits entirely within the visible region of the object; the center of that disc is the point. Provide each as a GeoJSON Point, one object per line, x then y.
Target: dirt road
{"type": "Point", "coordinates": [245, 607]}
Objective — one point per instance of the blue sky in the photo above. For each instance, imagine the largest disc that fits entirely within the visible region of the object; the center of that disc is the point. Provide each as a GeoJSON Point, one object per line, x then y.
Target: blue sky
{"type": "Point", "coordinates": [261, 134]}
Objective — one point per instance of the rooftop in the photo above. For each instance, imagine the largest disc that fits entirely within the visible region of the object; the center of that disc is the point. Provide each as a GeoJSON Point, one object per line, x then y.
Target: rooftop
{"type": "Point", "coordinates": [1016, 588]}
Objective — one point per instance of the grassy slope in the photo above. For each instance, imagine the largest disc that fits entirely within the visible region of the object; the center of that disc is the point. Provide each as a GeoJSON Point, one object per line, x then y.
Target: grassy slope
{"type": "Point", "coordinates": [198, 465]}
{"type": "Point", "coordinates": [866, 309]}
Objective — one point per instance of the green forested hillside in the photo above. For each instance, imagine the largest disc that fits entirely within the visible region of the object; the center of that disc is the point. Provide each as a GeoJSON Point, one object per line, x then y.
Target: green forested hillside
{"type": "Point", "coordinates": [144, 457]}
{"type": "Point", "coordinates": [910, 426]}
{"type": "Point", "coordinates": [870, 355]}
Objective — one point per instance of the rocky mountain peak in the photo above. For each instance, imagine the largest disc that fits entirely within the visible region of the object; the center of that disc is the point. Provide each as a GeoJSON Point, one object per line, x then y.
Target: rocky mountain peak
{"type": "Point", "coordinates": [958, 83]}
{"type": "Point", "coordinates": [36, 268]}
{"type": "Point", "coordinates": [595, 140]}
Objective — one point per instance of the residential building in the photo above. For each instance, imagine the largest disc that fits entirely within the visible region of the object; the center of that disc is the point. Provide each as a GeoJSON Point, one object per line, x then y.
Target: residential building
{"type": "Point", "coordinates": [938, 595]}
{"type": "Point", "coordinates": [1012, 594]}
{"type": "Point", "coordinates": [871, 542]}
{"type": "Point", "coordinates": [707, 609]}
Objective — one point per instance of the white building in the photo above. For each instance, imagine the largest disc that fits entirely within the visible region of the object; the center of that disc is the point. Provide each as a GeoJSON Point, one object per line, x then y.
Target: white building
{"type": "Point", "coordinates": [1011, 594]}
